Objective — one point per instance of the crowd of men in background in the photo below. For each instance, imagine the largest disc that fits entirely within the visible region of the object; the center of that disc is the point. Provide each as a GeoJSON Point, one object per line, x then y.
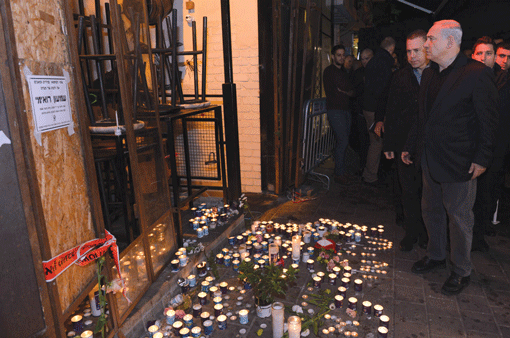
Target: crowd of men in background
{"type": "Point", "coordinates": [442, 118]}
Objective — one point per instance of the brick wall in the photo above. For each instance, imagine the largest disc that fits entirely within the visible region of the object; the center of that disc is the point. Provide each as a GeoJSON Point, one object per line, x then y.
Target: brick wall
{"type": "Point", "coordinates": [244, 26]}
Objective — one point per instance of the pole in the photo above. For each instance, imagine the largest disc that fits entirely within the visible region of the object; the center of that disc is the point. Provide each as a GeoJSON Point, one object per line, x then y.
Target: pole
{"type": "Point", "coordinates": [230, 110]}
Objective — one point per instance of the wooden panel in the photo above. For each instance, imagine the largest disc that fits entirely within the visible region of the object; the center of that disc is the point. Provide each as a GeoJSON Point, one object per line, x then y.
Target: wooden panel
{"type": "Point", "coordinates": [42, 47]}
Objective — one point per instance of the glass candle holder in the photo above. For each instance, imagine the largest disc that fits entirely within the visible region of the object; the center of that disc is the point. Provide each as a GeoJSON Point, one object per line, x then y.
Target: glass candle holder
{"type": "Point", "coordinates": [378, 310]}
{"type": "Point", "coordinates": [204, 316]}
{"type": "Point", "coordinates": [277, 311]}
{"type": "Point", "coordinates": [77, 323]}
{"type": "Point", "coordinates": [294, 326]}
{"type": "Point", "coordinates": [384, 321]}
{"type": "Point", "coordinates": [222, 322]}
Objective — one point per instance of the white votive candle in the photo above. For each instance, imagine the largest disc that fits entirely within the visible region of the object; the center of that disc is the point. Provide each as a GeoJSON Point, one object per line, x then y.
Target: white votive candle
{"type": "Point", "coordinates": [294, 327]}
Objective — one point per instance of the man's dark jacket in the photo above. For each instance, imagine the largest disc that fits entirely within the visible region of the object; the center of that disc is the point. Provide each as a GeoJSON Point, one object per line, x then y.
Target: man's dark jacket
{"type": "Point", "coordinates": [460, 128]}
{"type": "Point", "coordinates": [401, 108]}
{"type": "Point", "coordinates": [377, 77]}
{"type": "Point", "coordinates": [502, 133]}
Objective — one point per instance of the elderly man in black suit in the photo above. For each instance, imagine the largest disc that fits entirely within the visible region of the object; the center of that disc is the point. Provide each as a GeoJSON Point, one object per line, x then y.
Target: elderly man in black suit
{"type": "Point", "coordinates": [452, 139]}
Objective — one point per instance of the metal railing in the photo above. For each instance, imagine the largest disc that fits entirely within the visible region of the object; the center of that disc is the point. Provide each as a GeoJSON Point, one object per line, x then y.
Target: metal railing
{"type": "Point", "coordinates": [318, 139]}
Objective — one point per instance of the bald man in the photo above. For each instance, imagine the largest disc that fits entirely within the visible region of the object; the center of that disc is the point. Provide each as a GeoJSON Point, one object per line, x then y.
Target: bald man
{"type": "Point", "coordinates": [452, 140]}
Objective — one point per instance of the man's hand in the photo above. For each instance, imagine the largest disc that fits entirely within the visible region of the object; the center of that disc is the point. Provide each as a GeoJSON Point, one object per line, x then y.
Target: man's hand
{"type": "Point", "coordinates": [476, 170]}
{"type": "Point", "coordinates": [389, 155]}
{"type": "Point", "coordinates": [379, 126]}
{"type": "Point", "coordinates": [406, 158]}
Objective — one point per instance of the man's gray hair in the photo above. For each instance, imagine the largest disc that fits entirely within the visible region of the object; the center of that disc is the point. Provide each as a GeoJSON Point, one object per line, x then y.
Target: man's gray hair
{"type": "Point", "coordinates": [450, 28]}
{"type": "Point", "coordinates": [387, 42]}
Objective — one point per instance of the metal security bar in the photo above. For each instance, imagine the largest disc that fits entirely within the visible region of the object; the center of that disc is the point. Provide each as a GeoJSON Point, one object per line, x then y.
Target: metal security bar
{"type": "Point", "coordinates": [318, 139]}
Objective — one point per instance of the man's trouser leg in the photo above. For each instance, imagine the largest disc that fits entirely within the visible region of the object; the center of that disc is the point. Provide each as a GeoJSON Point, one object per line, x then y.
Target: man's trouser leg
{"type": "Point", "coordinates": [374, 151]}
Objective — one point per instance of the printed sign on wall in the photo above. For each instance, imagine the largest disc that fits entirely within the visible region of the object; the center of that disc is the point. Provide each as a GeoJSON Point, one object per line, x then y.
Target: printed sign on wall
{"type": "Point", "coordinates": [50, 102]}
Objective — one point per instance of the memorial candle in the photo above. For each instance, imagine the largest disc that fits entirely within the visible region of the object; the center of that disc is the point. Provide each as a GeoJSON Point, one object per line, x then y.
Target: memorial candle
{"type": "Point", "coordinates": [278, 311]}
{"type": "Point", "coordinates": [296, 247]}
{"type": "Point", "coordinates": [294, 326]}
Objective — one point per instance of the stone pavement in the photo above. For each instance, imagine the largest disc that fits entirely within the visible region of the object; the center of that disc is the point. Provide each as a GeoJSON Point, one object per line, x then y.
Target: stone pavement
{"type": "Point", "coordinates": [414, 303]}
{"type": "Point", "coordinates": [418, 309]}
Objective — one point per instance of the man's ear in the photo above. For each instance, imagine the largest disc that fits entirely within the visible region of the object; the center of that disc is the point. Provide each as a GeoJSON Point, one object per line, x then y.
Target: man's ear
{"type": "Point", "coordinates": [451, 42]}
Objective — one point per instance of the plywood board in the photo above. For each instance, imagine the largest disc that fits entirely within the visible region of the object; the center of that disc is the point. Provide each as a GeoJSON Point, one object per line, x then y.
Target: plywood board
{"type": "Point", "coordinates": [42, 46]}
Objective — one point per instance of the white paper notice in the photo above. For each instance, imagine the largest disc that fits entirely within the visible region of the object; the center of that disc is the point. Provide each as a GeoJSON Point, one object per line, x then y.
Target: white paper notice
{"type": "Point", "coordinates": [50, 102]}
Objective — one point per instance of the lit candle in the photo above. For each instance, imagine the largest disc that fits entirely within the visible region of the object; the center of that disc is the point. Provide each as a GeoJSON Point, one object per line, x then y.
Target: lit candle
{"type": "Point", "coordinates": [294, 325]}
{"type": "Point", "coordinates": [224, 287]}
{"type": "Point", "coordinates": [184, 332]}
{"type": "Point", "coordinates": [316, 282]}
{"type": "Point", "coordinates": [195, 331]}
{"type": "Point", "coordinates": [384, 321]}
{"type": "Point", "coordinates": [358, 285]}
{"type": "Point", "coordinates": [170, 316]}
{"type": "Point", "coordinates": [204, 316]}
{"type": "Point", "coordinates": [77, 323]}
{"type": "Point", "coordinates": [87, 334]}
{"type": "Point", "coordinates": [296, 247]}
{"type": "Point", "coordinates": [273, 253]}
{"type": "Point", "coordinates": [153, 329]}
{"type": "Point", "coordinates": [218, 309]}
{"type": "Point", "coordinates": [202, 296]}
{"type": "Point", "coordinates": [367, 308]}
{"type": "Point", "coordinates": [383, 331]}
{"type": "Point", "coordinates": [339, 301]}
{"type": "Point", "coordinates": [278, 241]}
{"type": "Point", "coordinates": [243, 316]}
{"type": "Point", "coordinates": [353, 302]}
{"type": "Point", "coordinates": [222, 322]}
{"type": "Point", "coordinates": [378, 310]}
{"type": "Point", "coordinates": [278, 310]}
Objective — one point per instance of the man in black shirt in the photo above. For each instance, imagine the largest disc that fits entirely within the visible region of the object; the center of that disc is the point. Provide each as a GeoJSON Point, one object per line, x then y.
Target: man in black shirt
{"type": "Point", "coordinates": [377, 77]}
{"type": "Point", "coordinates": [338, 89]}
{"type": "Point", "coordinates": [490, 183]}
{"type": "Point", "coordinates": [401, 110]}
{"type": "Point", "coordinates": [452, 139]}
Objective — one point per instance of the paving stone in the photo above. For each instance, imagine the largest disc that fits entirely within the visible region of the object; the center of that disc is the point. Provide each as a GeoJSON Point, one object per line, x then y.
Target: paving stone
{"type": "Point", "coordinates": [498, 298]}
{"type": "Point", "coordinates": [409, 294]}
{"type": "Point", "coordinates": [505, 331]}
{"type": "Point", "coordinates": [408, 278]}
{"type": "Point", "coordinates": [473, 303]}
{"type": "Point", "coordinates": [410, 312]}
{"type": "Point", "coordinates": [477, 321]}
{"type": "Point", "coordinates": [490, 270]}
{"type": "Point", "coordinates": [475, 334]}
{"type": "Point", "coordinates": [411, 330]}
{"type": "Point", "coordinates": [445, 307]}
{"type": "Point", "coordinates": [403, 265]}
{"type": "Point", "coordinates": [446, 326]}
{"type": "Point", "coordinates": [502, 315]}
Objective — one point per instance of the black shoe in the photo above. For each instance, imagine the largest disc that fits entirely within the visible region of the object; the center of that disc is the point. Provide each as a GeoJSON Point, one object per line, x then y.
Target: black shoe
{"type": "Point", "coordinates": [479, 245]}
{"type": "Point", "coordinates": [407, 243]}
{"type": "Point", "coordinates": [426, 264]}
{"type": "Point", "coordinates": [454, 284]}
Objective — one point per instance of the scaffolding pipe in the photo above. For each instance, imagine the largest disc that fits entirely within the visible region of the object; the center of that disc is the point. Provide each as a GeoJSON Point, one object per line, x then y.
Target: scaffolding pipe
{"type": "Point", "coordinates": [230, 110]}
